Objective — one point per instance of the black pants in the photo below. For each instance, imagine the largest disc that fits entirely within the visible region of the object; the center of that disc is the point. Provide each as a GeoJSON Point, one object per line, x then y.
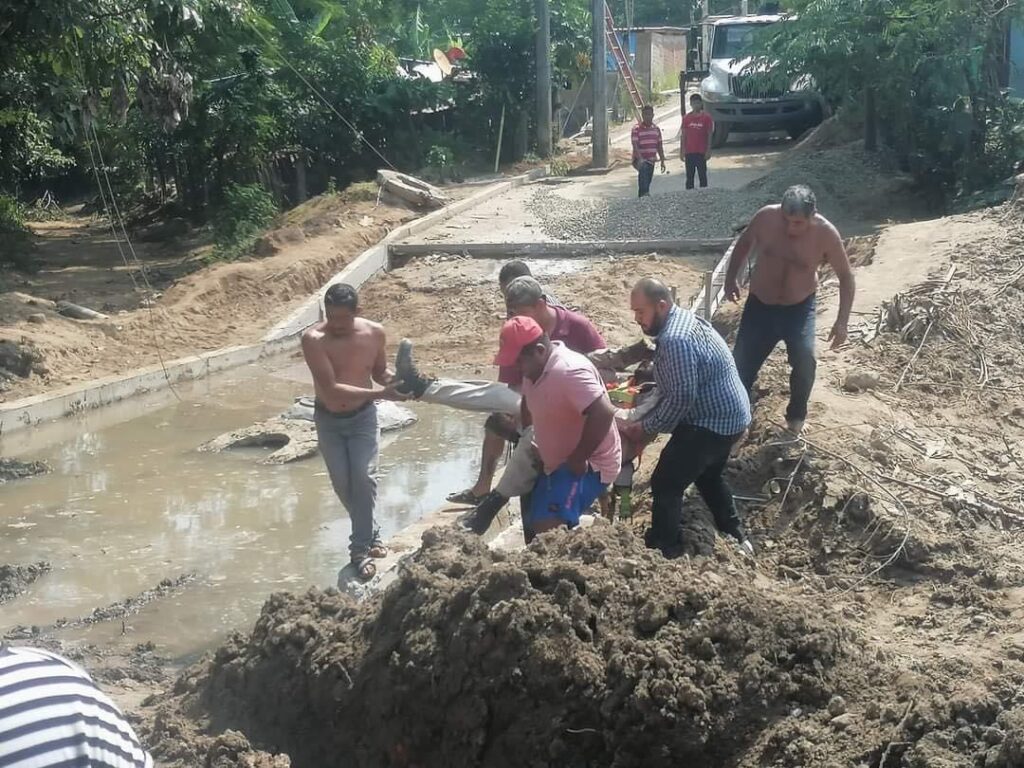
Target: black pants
{"type": "Point", "coordinates": [692, 455]}
{"type": "Point", "coordinates": [645, 174]}
{"type": "Point", "coordinates": [696, 163]}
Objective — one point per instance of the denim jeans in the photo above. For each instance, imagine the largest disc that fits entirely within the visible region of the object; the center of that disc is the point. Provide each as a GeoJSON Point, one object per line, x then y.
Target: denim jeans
{"type": "Point", "coordinates": [696, 163]}
{"type": "Point", "coordinates": [765, 325]}
{"type": "Point", "coordinates": [349, 443]}
{"type": "Point", "coordinates": [645, 174]}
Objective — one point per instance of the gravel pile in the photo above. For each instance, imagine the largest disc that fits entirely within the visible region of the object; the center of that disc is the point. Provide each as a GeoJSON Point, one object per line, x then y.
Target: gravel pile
{"type": "Point", "coordinates": [848, 182]}
{"type": "Point", "coordinates": [710, 213]}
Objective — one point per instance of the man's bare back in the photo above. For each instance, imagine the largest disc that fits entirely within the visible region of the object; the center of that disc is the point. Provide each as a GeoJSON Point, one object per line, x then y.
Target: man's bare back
{"type": "Point", "coordinates": [787, 266]}
{"type": "Point", "coordinates": [346, 366]}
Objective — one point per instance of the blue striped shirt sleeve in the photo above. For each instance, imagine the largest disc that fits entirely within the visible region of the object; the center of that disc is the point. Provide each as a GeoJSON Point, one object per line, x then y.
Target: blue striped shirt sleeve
{"type": "Point", "coordinates": [677, 378]}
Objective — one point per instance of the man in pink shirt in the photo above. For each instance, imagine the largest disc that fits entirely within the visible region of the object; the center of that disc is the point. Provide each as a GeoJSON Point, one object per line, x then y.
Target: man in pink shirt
{"type": "Point", "coordinates": [566, 402]}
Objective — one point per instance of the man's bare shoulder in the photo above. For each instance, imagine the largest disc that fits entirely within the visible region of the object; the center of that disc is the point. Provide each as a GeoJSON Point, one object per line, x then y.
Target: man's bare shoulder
{"type": "Point", "coordinates": [766, 214]}
{"type": "Point", "coordinates": [827, 229]}
{"type": "Point", "coordinates": [313, 333]}
{"type": "Point", "coordinates": [369, 327]}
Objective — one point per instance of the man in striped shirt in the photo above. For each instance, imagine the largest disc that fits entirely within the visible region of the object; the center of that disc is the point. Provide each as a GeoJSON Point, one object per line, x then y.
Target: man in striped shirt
{"type": "Point", "coordinates": [53, 716]}
{"type": "Point", "coordinates": [702, 403]}
{"type": "Point", "coordinates": [647, 148]}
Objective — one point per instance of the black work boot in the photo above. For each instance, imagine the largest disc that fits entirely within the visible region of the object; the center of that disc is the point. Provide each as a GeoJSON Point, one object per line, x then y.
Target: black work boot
{"type": "Point", "coordinates": [412, 381]}
{"type": "Point", "coordinates": [480, 519]}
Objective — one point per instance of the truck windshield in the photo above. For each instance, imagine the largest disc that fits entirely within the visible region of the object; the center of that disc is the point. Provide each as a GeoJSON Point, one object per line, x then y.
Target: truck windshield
{"type": "Point", "coordinates": [732, 41]}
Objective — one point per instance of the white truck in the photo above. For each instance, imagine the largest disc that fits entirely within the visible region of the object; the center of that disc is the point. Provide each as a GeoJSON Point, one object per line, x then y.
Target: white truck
{"type": "Point", "coordinates": [737, 98]}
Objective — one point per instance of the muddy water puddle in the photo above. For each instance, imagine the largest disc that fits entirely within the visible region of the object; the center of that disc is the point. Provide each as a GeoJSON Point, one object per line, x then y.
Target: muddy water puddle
{"type": "Point", "coordinates": [131, 502]}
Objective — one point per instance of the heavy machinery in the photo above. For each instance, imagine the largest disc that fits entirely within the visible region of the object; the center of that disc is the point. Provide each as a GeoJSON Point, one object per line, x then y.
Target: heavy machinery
{"type": "Point", "coordinates": [740, 96]}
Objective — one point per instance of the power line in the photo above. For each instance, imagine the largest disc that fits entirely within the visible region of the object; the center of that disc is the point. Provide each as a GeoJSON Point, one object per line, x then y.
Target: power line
{"type": "Point", "coordinates": [319, 95]}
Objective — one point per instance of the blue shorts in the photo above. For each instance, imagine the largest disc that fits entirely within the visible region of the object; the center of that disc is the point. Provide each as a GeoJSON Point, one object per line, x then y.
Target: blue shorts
{"type": "Point", "coordinates": [564, 496]}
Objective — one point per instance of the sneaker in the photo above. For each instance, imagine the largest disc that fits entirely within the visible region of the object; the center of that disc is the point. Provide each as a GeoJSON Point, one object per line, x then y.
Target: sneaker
{"type": "Point", "coordinates": [412, 381]}
{"type": "Point", "coordinates": [745, 547]}
{"type": "Point", "coordinates": [480, 519]}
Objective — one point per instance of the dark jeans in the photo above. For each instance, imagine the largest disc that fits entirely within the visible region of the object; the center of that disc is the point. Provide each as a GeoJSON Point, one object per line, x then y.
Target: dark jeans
{"type": "Point", "coordinates": [692, 455]}
{"type": "Point", "coordinates": [696, 163]}
{"type": "Point", "coordinates": [645, 174]}
{"type": "Point", "coordinates": [765, 325]}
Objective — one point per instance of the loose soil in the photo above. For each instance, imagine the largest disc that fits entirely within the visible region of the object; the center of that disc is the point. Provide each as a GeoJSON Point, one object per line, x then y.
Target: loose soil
{"type": "Point", "coordinates": [174, 304]}
{"type": "Point", "coordinates": [878, 626]}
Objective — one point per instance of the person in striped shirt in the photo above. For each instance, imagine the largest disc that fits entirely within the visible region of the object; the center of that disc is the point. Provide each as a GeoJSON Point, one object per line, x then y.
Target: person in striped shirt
{"type": "Point", "coordinates": [52, 715]}
{"type": "Point", "coordinates": [647, 148]}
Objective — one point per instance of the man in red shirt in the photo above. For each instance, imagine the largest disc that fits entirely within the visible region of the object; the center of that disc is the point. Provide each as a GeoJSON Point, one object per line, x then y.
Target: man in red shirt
{"type": "Point", "coordinates": [695, 148]}
{"type": "Point", "coordinates": [647, 148]}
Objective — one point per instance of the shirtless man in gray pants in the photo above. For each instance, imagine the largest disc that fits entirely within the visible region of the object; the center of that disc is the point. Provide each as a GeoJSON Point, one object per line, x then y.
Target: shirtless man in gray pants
{"type": "Point", "coordinates": [345, 354]}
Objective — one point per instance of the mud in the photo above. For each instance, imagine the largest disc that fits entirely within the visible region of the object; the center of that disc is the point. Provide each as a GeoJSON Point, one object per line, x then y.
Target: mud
{"type": "Point", "coordinates": [586, 649]}
{"type": "Point", "coordinates": [292, 435]}
{"type": "Point", "coordinates": [15, 469]}
{"type": "Point", "coordinates": [15, 579]}
{"type": "Point", "coordinates": [119, 610]}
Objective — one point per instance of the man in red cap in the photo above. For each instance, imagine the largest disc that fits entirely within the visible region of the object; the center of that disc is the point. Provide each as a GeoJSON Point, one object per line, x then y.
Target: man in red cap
{"type": "Point", "coordinates": [565, 400]}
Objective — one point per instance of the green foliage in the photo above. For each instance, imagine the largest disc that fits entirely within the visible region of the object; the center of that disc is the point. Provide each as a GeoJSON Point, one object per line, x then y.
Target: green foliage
{"type": "Point", "coordinates": [926, 69]}
{"type": "Point", "coordinates": [439, 157]}
{"type": "Point", "coordinates": [247, 212]}
{"type": "Point", "coordinates": [12, 215]}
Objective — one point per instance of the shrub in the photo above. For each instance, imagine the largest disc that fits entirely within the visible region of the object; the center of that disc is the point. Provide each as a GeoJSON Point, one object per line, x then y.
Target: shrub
{"type": "Point", "coordinates": [12, 215]}
{"type": "Point", "coordinates": [247, 212]}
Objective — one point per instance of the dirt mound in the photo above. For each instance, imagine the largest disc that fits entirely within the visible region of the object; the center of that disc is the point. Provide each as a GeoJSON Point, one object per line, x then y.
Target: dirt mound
{"type": "Point", "coordinates": [850, 183]}
{"type": "Point", "coordinates": [587, 649]}
{"type": "Point", "coordinates": [15, 579]}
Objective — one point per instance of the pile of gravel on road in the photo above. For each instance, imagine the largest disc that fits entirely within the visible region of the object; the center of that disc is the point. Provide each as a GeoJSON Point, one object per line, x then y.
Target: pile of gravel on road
{"type": "Point", "coordinates": [848, 182]}
{"type": "Point", "coordinates": [701, 214]}
{"type": "Point", "coordinates": [586, 649]}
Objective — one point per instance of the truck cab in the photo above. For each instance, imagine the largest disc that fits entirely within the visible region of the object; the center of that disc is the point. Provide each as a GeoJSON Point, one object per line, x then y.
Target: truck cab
{"type": "Point", "coordinates": [738, 97]}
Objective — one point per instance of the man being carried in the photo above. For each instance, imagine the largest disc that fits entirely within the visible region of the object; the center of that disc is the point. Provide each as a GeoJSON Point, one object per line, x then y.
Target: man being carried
{"type": "Point", "coordinates": [792, 240]}
{"type": "Point", "coordinates": [345, 354]}
{"type": "Point", "coordinates": [701, 402]}
{"type": "Point", "coordinates": [523, 294]}
{"type": "Point", "coordinates": [647, 147]}
{"type": "Point", "coordinates": [565, 400]}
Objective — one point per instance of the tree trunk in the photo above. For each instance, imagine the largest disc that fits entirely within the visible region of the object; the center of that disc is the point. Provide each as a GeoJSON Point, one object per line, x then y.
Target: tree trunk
{"type": "Point", "coordinates": [870, 121]}
{"type": "Point", "coordinates": [521, 139]}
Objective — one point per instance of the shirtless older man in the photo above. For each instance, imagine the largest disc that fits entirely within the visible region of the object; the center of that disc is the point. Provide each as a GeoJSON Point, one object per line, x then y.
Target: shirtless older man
{"type": "Point", "coordinates": [792, 241]}
{"type": "Point", "coordinates": [345, 354]}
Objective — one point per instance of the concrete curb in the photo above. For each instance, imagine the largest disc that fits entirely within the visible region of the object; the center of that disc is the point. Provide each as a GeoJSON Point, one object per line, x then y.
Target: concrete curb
{"type": "Point", "coordinates": [283, 337]}
{"type": "Point", "coordinates": [76, 398]}
{"type": "Point", "coordinates": [377, 258]}
{"type": "Point", "coordinates": [583, 248]}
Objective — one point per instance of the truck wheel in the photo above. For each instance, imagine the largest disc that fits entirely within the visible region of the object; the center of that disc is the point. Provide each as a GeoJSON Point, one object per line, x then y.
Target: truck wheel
{"type": "Point", "coordinates": [796, 131]}
{"type": "Point", "coordinates": [720, 135]}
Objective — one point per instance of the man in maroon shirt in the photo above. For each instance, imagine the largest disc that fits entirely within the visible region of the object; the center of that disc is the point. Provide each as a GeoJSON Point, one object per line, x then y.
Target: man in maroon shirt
{"type": "Point", "coordinates": [695, 142]}
{"type": "Point", "coordinates": [523, 295]}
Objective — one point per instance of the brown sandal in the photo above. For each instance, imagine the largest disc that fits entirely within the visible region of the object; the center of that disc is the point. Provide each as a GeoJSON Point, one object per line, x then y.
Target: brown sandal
{"type": "Point", "coordinates": [366, 569]}
{"type": "Point", "coordinates": [377, 551]}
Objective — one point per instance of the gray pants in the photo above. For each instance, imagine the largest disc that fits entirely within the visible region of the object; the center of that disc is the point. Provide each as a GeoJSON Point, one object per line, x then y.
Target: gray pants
{"type": "Point", "coordinates": [349, 445]}
{"type": "Point", "coordinates": [521, 470]}
{"type": "Point", "coordinates": [482, 396]}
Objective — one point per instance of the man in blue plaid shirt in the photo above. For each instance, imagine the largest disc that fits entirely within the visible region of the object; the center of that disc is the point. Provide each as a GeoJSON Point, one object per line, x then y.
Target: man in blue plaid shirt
{"type": "Point", "coordinates": [703, 404]}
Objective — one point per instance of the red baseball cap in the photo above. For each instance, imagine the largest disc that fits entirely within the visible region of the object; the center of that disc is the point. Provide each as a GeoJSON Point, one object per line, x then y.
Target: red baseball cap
{"type": "Point", "coordinates": [516, 333]}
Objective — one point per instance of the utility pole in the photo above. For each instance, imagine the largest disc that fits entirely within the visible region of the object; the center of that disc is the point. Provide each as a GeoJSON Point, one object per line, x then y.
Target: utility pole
{"type": "Point", "coordinates": [599, 81]}
{"type": "Point", "coordinates": [543, 78]}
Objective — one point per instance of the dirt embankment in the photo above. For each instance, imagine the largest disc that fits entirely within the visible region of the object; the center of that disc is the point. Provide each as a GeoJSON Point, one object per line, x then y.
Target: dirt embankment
{"type": "Point", "coordinates": [173, 304]}
{"type": "Point", "coordinates": [587, 649]}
